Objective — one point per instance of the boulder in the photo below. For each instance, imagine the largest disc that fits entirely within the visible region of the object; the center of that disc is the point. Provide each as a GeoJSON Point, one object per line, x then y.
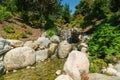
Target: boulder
{"type": "Point", "coordinates": [55, 39]}
{"type": "Point", "coordinates": [16, 43]}
{"type": "Point", "coordinates": [19, 57]}
{"type": "Point", "coordinates": [65, 34]}
{"type": "Point", "coordinates": [64, 49]}
{"type": "Point", "coordinates": [31, 44]}
{"type": "Point", "coordinates": [4, 46]}
{"type": "Point", "coordinates": [1, 58]}
{"type": "Point", "coordinates": [43, 42]}
{"type": "Point", "coordinates": [2, 68]}
{"type": "Point", "coordinates": [97, 76]}
{"type": "Point", "coordinates": [84, 50]}
{"type": "Point", "coordinates": [63, 77]}
{"type": "Point", "coordinates": [52, 48]}
{"type": "Point", "coordinates": [117, 67]}
{"type": "Point", "coordinates": [109, 71]}
{"type": "Point", "coordinates": [41, 55]}
{"type": "Point", "coordinates": [77, 64]}
{"type": "Point", "coordinates": [82, 47]}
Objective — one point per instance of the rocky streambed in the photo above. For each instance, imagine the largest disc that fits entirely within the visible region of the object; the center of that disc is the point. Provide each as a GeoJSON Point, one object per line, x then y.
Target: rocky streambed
{"type": "Point", "coordinates": [40, 71]}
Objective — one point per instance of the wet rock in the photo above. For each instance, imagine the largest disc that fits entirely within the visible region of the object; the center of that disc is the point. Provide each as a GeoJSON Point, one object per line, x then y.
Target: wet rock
{"type": "Point", "coordinates": [64, 49]}
{"type": "Point", "coordinates": [77, 64]}
{"type": "Point", "coordinates": [19, 57]}
{"type": "Point", "coordinates": [63, 77]}
{"type": "Point", "coordinates": [16, 43]}
{"type": "Point", "coordinates": [2, 68]}
{"type": "Point", "coordinates": [41, 55]}
{"type": "Point", "coordinates": [4, 46]}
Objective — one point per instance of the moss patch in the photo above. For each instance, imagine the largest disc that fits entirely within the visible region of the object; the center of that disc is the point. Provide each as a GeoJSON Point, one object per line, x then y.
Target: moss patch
{"type": "Point", "coordinates": [43, 71]}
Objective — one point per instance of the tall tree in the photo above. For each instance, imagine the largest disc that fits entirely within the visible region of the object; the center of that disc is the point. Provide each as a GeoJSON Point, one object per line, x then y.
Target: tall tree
{"type": "Point", "coordinates": [66, 13]}
{"type": "Point", "coordinates": [83, 8]}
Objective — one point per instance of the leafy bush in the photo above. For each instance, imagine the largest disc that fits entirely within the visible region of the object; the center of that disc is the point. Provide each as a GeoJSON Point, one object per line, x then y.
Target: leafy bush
{"type": "Point", "coordinates": [23, 35]}
{"type": "Point", "coordinates": [24, 26]}
{"type": "Point", "coordinates": [9, 29]}
{"type": "Point", "coordinates": [50, 33]}
{"type": "Point", "coordinates": [97, 65]}
{"type": "Point", "coordinates": [13, 36]}
{"type": "Point", "coordinates": [29, 32]}
{"type": "Point", "coordinates": [4, 14]}
{"type": "Point", "coordinates": [105, 42]}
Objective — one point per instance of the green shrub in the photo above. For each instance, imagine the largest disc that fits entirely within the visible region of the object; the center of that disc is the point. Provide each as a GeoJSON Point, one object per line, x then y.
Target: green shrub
{"type": "Point", "coordinates": [105, 42]}
{"type": "Point", "coordinates": [24, 26]}
{"type": "Point", "coordinates": [4, 14]}
{"type": "Point", "coordinates": [29, 32]}
{"type": "Point", "coordinates": [23, 35]}
{"type": "Point", "coordinates": [9, 29]}
{"type": "Point", "coordinates": [50, 33]}
{"type": "Point", "coordinates": [13, 36]}
{"type": "Point", "coordinates": [97, 65]}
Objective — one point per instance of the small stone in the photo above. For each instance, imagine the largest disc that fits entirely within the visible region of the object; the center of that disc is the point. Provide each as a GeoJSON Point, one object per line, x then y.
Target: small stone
{"type": "Point", "coordinates": [7, 71]}
{"type": "Point", "coordinates": [14, 71]}
{"type": "Point", "coordinates": [32, 67]}
{"type": "Point", "coordinates": [28, 67]}
{"type": "Point", "coordinates": [58, 72]}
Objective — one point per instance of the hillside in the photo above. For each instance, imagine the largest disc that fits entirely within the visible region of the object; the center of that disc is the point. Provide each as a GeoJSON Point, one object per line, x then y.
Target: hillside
{"type": "Point", "coordinates": [22, 31]}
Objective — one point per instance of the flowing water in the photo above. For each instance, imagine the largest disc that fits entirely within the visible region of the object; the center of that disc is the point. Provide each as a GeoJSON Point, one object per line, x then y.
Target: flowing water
{"type": "Point", "coordinates": [42, 71]}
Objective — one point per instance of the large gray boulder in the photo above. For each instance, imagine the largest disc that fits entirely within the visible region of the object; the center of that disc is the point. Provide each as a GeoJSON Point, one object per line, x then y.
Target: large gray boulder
{"type": "Point", "coordinates": [16, 43]}
{"type": "Point", "coordinates": [77, 64]}
{"type": "Point", "coordinates": [43, 42]}
{"type": "Point", "coordinates": [97, 76]}
{"type": "Point", "coordinates": [41, 55]}
{"type": "Point", "coordinates": [2, 68]}
{"type": "Point", "coordinates": [64, 49]}
{"type": "Point", "coordinates": [4, 46]}
{"type": "Point", "coordinates": [19, 57]}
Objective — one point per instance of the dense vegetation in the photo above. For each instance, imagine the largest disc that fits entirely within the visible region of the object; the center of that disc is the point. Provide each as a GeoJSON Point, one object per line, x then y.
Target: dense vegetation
{"type": "Point", "coordinates": [102, 15]}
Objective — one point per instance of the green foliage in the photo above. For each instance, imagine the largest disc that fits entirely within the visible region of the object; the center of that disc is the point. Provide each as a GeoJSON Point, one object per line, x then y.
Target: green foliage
{"type": "Point", "coordinates": [66, 13]}
{"type": "Point", "coordinates": [10, 5]}
{"type": "Point", "coordinates": [24, 25]}
{"type": "Point", "coordinates": [4, 14]}
{"type": "Point", "coordinates": [97, 65]}
{"type": "Point", "coordinates": [9, 29]}
{"type": "Point", "coordinates": [23, 35]}
{"type": "Point", "coordinates": [114, 5]}
{"type": "Point", "coordinates": [105, 42]}
{"type": "Point", "coordinates": [77, 21]}
{"type": "Point", "coordinates": [50, 33]}
{"type": "Point", "coordinates": [83, 8]}
{"type": "Point", "coordinates": [29, 32]}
